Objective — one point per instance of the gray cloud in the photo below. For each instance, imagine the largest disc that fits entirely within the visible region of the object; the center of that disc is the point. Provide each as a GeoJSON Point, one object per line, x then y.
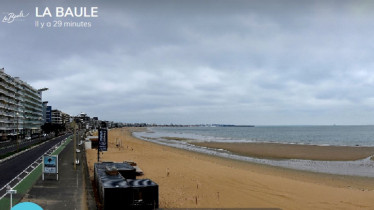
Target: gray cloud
{"type": "Point", "coordinates": [240, 62]}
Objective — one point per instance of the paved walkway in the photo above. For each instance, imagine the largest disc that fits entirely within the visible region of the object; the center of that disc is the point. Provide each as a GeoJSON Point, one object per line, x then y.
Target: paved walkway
{"type": "Point", "coordinates": [73, 190]}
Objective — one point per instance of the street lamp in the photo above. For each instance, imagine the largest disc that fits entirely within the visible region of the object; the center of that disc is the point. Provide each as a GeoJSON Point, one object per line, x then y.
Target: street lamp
{"type": "Point", "coordinates": [17, 133]}
{"type": "Point", "coordinates": [11, 192]}
{"type": "Point", "coordinates": [75, 147]}
{"type": "Point", "coordinates": [40, 127]}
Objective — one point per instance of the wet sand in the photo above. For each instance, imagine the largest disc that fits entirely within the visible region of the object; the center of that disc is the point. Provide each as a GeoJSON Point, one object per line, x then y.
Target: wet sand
{"type": "Point", "coordinates": [192, 180]}
{"type": "Point", "coordinates": [293, 151]}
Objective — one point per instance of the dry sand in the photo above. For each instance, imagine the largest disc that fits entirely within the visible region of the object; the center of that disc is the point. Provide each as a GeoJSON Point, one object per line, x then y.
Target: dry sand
{"type": "Point", "coordinates": [191, 180]}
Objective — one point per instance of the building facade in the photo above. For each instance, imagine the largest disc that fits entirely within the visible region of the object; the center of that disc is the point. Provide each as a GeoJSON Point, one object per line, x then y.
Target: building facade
{"type": "Point", "coordinates": [45, 104]}
{"type": "Point", "coordinates": [21, 109]}
{"type": "Point", "coordinates": [65, 118]}
{"type": "Point", "coordinates": [56, 116]}
{"type": "Point", "coordinates": [48, 114]}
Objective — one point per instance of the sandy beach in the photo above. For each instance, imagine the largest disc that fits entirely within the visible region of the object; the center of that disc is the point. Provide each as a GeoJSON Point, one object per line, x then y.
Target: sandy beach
{"type": "Point", "coordinates": [191, 180]}
{"type": "Point", "coordinates": [293, 151]}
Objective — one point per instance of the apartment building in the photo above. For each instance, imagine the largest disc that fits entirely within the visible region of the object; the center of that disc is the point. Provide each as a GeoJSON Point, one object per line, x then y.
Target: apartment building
{"type": "Point", "coordinates": [59, 117]}
{"type": "Point", "coordinates": [48, 114]}
{"type": "Point", "coordinates": [45, 105]}
{"type": "Point", "coordinates": [65, 118]}
{"type": "Point", "coordinates": [21, 109]}
{"type": "Point", "coordinates": [56, 116]}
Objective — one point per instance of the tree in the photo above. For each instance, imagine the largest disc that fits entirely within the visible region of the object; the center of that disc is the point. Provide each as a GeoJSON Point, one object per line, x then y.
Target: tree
{"type": "Point", "coordinates": [56, 128]}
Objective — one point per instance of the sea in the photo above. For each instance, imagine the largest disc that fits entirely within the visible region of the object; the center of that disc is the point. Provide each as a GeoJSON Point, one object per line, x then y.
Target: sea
{"type": "Point", "coordinates": [305, 135]}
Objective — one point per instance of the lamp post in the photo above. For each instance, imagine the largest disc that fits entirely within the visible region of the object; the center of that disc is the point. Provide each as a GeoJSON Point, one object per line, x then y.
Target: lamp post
{"type": "Point", "coordinates": [75, 148]}
{"type": "Point", "coordinates": [17, 133]}
{"type": "Point", "coordinates": [40, 128]}
{"type": "Point", "coordinates": [11, 192]}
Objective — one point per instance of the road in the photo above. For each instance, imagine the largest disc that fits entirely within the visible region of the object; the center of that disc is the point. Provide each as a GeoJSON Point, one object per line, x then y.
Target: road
{"type": "Point", "coordinates": [11, 168]}
{"type": "Point", "coordinates": [11, 146]}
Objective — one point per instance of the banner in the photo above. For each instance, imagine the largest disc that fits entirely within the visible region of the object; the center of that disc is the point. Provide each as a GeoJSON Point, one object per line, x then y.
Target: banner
{"type": "Point", "coordinates": [103, 139]}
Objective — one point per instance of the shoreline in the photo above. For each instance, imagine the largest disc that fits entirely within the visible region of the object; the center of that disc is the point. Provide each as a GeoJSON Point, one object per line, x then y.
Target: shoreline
{"type": "Point", "coordinates": [292, 151]}
{"type": "Point", "coordinates": [273, 150]}
{"type": "Point", "coordinates": [339, 160]}
{"type": "Point", "coordinates": [192, 180]}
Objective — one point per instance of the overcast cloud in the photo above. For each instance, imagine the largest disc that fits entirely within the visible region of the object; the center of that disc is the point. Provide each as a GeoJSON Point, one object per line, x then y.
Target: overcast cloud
{"type": "Point", "coordinates": [207, 61]}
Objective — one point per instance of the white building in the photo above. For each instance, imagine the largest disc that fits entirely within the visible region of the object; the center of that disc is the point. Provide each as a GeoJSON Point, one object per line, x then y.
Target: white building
{"type": "Point", "coordinates": [21, 109]}
{"type": "Point", "coordinates": [56, 116]}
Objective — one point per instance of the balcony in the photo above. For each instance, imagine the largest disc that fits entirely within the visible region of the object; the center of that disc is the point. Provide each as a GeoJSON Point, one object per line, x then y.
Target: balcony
{"type": "Point", "coordinates": [7, 87]}
{"type": "Point", "coordinates": [32, 93]}
{"type": "Point", "coordinates": [28, 101]}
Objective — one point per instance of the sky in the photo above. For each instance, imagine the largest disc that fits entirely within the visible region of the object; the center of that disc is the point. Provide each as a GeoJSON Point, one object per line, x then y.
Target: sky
{"type": "Point", "coordinates": [252, 62]}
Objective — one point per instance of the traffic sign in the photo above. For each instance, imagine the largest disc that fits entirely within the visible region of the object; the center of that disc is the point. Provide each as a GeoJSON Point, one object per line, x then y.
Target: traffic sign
{"type": "Point", "coordinates": [50, 165]}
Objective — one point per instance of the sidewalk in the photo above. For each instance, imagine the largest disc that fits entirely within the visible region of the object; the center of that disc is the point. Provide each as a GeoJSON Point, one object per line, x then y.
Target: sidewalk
{"type": "Point", "coordinates": [72, 191]}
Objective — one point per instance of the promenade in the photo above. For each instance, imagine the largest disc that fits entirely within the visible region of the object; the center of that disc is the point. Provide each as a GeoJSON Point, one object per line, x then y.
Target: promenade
{"type": "Point", "coordinates": [72, 190]}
